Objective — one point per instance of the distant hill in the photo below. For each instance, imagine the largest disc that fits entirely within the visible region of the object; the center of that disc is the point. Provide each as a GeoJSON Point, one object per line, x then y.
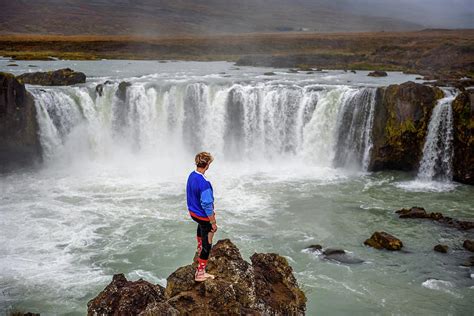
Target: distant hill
{"type": "Point", "coordinates": [158, 17]}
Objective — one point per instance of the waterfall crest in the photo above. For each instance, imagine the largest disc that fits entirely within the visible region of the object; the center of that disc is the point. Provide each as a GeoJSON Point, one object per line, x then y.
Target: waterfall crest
{"type": "Point", "coordinates": [323, 125]}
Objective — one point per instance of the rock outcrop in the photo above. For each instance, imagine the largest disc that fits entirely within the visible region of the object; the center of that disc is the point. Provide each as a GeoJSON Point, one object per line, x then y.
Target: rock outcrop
{"type": "Point", "coordinates": [383, 240]}
{"type": "Point", "coordinates": [463, 122]}
{"type": "Point", "coordinates": [441, 248]}
{"type": "Point", "coordinates": [468, 245]}
{"type": "Point", "coordinates": [377, 73]}
{"type": "Point", "coordinates": [61, 77]}
{"type": "Point", "coordinates": [401, 120]}
{"type": "Point", "coordinates": [19, 143]}
{"type": "Point", "coordinates": [419, 212]}
{"type": "Point", "coordinates": [266, 286]}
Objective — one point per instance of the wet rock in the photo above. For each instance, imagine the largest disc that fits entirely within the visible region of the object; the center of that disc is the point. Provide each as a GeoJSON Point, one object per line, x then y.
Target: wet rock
{"type": "Point", "coordinates": [264, 287]}
{"type": "Point", "coordinates": [414, 212]}
{"type": "Point", "coordinates": [419, 212]}
{"type": "Point", "coordinates": [99, 89]}
{"type": "Point", "coordinates": [469, 245]}
{"type": "Point", "coordinates": [122, 90]}
{"type": "Point", "coordinates": [441, 248]}
{"type": "Point", "coordinates": [292, 71]}
{"type": "Point", "coordinates": [12, 65]}
{"type": "Point", "coordinates": [61, 77]}
{"type": "Point", "coordinates": [469, 262]}
{"type": "Point", "coordinates": [403, 113]}
{"type": "Point", "coordinates": [383, 240]}
{"type": "Point", "coordinates": [341, 256]}
{"type": "Point", "coordinates": [123, 297]}
{"type": "Point", "coordinates": [463, 137]}
{"type": "Point", "coordinates": [19, 141]}
{"type": "Point", "coordinates": [315, 247]}
{"type": "Point", "coordinates": [330, 251]}
{"type": "Point", "coordinates": [270, 73]}
{"type": "Point", "coordinates": [377, 73]}
{"type": "Point", "coordinates": [353, 71]}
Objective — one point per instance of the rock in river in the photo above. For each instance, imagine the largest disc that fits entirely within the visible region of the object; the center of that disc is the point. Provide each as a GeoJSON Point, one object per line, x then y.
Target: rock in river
{"type": "Point", "coordinates": [381, 240]}
{"type": "Point", "coordinates": [377, 73]}
{"type": "Point", "coordinates": [266, 286]}
{"type": "Point", "coordinates": [61, 77]}
{"type": "Point", "coordinates": [469, 245]}
{"type": "Point", "coordinates": [441, 248]}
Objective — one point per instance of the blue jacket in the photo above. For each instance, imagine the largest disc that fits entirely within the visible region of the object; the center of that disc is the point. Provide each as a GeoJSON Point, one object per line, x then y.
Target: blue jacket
{"type": "Point", "coordinates": [199, 196]}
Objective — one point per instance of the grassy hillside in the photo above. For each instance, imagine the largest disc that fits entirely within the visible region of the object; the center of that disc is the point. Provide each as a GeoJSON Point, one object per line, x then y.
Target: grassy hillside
{"type": "Point", "coordinates": [430, 52]}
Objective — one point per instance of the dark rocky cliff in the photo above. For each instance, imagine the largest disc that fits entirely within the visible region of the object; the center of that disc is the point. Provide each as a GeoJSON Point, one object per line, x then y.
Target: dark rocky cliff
{"type": "Point", "coordinates": [402, 115]}
{"type": "Point", "coordinates": [463, 121]}
{"type": "Point", "coordinates": [19, 142]}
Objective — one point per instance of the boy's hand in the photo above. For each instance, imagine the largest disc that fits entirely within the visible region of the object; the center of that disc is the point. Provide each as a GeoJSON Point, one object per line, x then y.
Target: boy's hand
{"type": "Point", "coordinates": [214, 228]}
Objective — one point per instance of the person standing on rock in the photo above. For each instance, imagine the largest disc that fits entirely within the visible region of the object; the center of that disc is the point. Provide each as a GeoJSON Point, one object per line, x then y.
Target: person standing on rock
{"type": "Point", "coordinates": [200, 200]}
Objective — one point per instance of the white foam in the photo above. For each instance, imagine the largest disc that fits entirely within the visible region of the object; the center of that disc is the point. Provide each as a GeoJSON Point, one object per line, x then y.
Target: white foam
{"type": "Point", "coordinates": [426, 186]}
{"type": "Point", "coordinates": [441, 285]}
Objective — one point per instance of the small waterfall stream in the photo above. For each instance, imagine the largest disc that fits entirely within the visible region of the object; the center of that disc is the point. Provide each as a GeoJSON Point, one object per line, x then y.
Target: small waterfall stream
{"type": "Point", "coordinates": [436, 163]}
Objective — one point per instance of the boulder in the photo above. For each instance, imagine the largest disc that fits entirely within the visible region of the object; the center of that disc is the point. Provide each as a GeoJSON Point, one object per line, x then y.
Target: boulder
{"type": "Point", "coordinates": [402, 115]}
{"type": "Point", "coordinates": [383, 240]}
{"type": "Point", "coordinates": [463, 140]}
{"type": "Point", "coordinates": [19, 141]}
{"type": "Point", "coordinates": [123, 297]}
{"type": "Point", "coordinates": [441, 248]}
{"type": "Point", "coordinates": [266, 286]}
{"type": "Point", "coordinates": [469, 262]}
{"type": "Point", "coordinates": [377, 73]}
{"type": "Point", "coordinates": [315, 247]}
{"type": "Point", "coordinates": [469, 245]}
{"type": "Point", "coordinates": [61, 77]}
{"type": "Point", "coordinates": [341, 256]}
{"type": "Point", "coordinates": [270, 73]}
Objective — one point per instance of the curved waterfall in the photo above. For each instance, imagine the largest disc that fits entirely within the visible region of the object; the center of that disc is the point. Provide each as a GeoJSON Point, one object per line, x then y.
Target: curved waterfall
{"type": "Point", "coordinates": [324, 125]}
{"type": "Point", "coordinates": [438, 148]}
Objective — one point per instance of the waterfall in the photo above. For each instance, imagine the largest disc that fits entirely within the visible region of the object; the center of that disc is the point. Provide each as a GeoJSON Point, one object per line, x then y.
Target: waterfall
{"type": "Point", "coordinates": [322, 125]}
{"type": "Point", "coordinates": [354, 141]}
{"type": "Point", "coordinates": [438, 148]}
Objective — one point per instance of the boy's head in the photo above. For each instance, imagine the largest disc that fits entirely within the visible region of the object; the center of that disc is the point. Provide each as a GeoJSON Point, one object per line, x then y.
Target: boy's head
{"type": "Point", "coordinates": [203, 159]}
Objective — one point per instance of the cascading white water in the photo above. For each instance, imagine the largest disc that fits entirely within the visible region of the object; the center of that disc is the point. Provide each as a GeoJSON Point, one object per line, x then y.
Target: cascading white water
{"type": "Point", "coordinates": [438, 148]}
{"type": "Point", "coordinates": [320, 124]}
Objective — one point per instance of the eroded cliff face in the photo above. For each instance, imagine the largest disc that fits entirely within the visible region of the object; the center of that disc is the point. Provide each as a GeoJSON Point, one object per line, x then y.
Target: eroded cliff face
{"type": "Point", "coordinates": [463, 121]}
{"type": "Point", "coordinates": [266, 286]}
{"type": "Point", "coordinates": [402, 115]}
{"type": "Point", "coordinates": [19, 142]}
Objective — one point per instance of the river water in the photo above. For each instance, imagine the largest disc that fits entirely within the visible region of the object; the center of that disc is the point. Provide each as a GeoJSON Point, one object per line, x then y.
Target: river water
{"type": "Point", "coordinates": [291, 152]}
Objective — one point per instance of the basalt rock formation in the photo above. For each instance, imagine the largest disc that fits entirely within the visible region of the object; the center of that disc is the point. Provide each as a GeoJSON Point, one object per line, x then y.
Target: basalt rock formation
{"type": "Point", "coordinates": [266, 286]}
{"type": "Point", "coordinates": [401, 120]}
{"type": "Point", "coordinates": [19, 144]}
{"type": "Point", "coordinates": [61, 77]}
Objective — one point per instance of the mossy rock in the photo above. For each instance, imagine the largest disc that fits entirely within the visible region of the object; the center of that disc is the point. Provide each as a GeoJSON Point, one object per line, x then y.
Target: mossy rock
{"type": "Point", "coordinates": [402, 115]}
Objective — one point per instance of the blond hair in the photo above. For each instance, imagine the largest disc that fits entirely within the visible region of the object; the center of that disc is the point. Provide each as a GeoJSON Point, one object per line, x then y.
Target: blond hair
{"type": "Point", "coordinates": [203, 159]}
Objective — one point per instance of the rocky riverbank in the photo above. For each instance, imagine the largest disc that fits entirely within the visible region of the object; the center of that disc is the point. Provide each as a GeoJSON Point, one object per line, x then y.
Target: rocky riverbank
{"type": "Point", "coordinates": [266, 286]}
